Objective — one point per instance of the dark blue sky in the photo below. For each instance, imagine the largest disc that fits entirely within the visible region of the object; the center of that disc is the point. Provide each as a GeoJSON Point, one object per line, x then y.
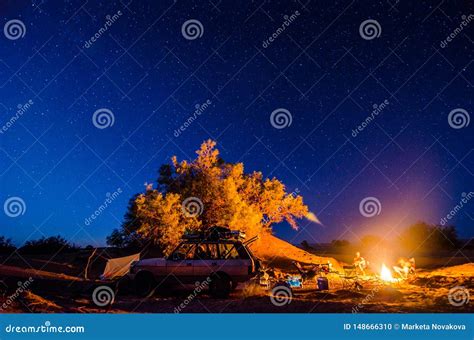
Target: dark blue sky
{"type": "Point", "coordinates": [320, 68]}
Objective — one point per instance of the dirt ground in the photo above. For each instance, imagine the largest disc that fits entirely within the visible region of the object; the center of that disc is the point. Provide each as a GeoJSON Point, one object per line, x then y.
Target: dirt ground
{"type": "Point", "coordinates": [65, 291]}
{"type": "Point", "coordinates": [58, 284]}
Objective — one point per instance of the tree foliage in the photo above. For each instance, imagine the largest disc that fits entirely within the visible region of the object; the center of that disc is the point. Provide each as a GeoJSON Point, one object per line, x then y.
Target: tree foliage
{"type": "Point", "coordinates": [421, 237]}
{"type": "Point", "coordinates": [6, 245]}
{"type": "Point", "coordinates": [222, 194]}
{"type": "Point", "coordinates": [46, 245]}
{"type": "Point", "coordinates": [340, 243]}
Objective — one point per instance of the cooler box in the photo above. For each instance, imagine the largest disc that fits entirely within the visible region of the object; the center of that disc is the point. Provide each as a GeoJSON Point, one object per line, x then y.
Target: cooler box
{"type": "Point", "coordinates": [323, 283]}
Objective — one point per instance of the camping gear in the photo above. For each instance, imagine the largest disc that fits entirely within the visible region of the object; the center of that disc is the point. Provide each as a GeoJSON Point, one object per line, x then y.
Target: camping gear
{"type": "Point", "coordinates": [295, 281]}
{"type": "Point", "coordinates": [118, 267]}
{"type": "Point", "coordinates": [264, 282]}
{"type": "Point", "coordinates": [323, 283]}
{"type": "Point", "coordinates": [350, 278]}
{"type": "Point", "coordinates": [308, 275]}
{"type": "Point", "coordinates": [216, 233]}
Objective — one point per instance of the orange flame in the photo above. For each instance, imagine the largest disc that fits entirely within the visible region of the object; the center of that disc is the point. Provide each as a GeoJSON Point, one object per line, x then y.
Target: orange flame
{"type": "Point", "coordinates": [386, 274]}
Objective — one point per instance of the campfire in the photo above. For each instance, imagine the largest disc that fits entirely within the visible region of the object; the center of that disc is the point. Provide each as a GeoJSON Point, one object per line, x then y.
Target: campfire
{"type": "Point", "coordinates": [386, 274]}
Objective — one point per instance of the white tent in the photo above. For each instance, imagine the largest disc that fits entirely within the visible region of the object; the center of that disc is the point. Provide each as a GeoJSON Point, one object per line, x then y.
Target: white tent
{"type": "Point", "coordinates": [118, 267]}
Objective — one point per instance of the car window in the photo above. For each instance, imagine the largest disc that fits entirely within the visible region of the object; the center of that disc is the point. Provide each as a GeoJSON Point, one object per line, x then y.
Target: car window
{"type": "Point", "coordinates": [213, 253]}
{"type": "Point", "coordinates": [201, 252]}
{"type": "Point", "coordinates": [184, 252]}
{"type": "Point", "coordinates": [207, 251]}
{"type": "Point", "coordinates": [228, 251]}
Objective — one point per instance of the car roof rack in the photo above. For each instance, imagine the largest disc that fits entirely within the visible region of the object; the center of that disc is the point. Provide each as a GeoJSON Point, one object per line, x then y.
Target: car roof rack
{"type": "Point", "coordinates": [216, 234]}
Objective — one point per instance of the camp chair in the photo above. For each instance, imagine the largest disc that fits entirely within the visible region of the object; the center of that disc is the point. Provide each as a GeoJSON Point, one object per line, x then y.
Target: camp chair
{"type": "Point", "coordinates": [350, 278]}
{"type": "Point", "coordinates": [308, 275]}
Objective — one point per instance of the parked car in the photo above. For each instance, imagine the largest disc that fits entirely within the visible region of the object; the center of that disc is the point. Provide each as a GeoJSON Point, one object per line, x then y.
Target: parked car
{"type": "Point", "coordinates": [221, 259]}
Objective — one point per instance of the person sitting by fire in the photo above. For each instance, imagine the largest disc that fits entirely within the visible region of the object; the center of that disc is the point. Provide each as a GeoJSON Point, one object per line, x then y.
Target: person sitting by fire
{"type": "Point", "coordinates": [360, 263]}
{"type": "Point", "coordinates": [405, 267]}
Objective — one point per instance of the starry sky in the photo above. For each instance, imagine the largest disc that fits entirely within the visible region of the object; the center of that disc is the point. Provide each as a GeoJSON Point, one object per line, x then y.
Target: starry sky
{"type": "Point", "coordinates": [321, 76]}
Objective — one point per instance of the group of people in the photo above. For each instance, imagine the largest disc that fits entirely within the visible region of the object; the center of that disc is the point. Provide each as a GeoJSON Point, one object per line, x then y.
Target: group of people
{"type": "Point", "coordinates": [404, 267]}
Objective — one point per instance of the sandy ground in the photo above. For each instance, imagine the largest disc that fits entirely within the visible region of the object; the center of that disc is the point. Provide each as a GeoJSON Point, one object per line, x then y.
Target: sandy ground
{"type": "Point", "coordinates": [428, 292]}
{"type": "Point", "coordinates": [58, 286]}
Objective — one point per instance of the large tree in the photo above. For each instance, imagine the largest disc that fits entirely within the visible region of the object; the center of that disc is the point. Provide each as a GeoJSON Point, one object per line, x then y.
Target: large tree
{"type": "Point", "coordinates": [206, 192]}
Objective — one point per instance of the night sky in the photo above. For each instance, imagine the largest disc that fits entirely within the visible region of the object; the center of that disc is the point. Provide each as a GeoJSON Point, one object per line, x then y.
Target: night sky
{"type": "Point", "coordinates": [323, 73]}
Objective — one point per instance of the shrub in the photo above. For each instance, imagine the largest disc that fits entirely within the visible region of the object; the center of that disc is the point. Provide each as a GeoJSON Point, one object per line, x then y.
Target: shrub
{"type": "Point", "coordinates": [47, 245]}
{"type": "Point", "coordinates": [6, 246]}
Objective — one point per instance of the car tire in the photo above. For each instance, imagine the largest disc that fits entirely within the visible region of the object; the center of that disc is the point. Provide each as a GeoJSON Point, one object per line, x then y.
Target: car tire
{"type": "Point", "coordinates": [145, 284]}
{"type": "Point", "coordinates": [220, 286]}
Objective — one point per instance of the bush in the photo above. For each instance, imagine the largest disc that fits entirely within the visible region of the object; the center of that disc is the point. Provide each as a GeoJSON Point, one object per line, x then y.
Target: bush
{"type": "Point", "coordinates": [6, 246]}
{"type": "Point", "coordinates": [305, 245]}
{"type": "Point", "coordinates": [49, 245]}
{"type": "Point", "coordinates": [422, 237]}
{"type": "Point", "coordinates": [340, 243]}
